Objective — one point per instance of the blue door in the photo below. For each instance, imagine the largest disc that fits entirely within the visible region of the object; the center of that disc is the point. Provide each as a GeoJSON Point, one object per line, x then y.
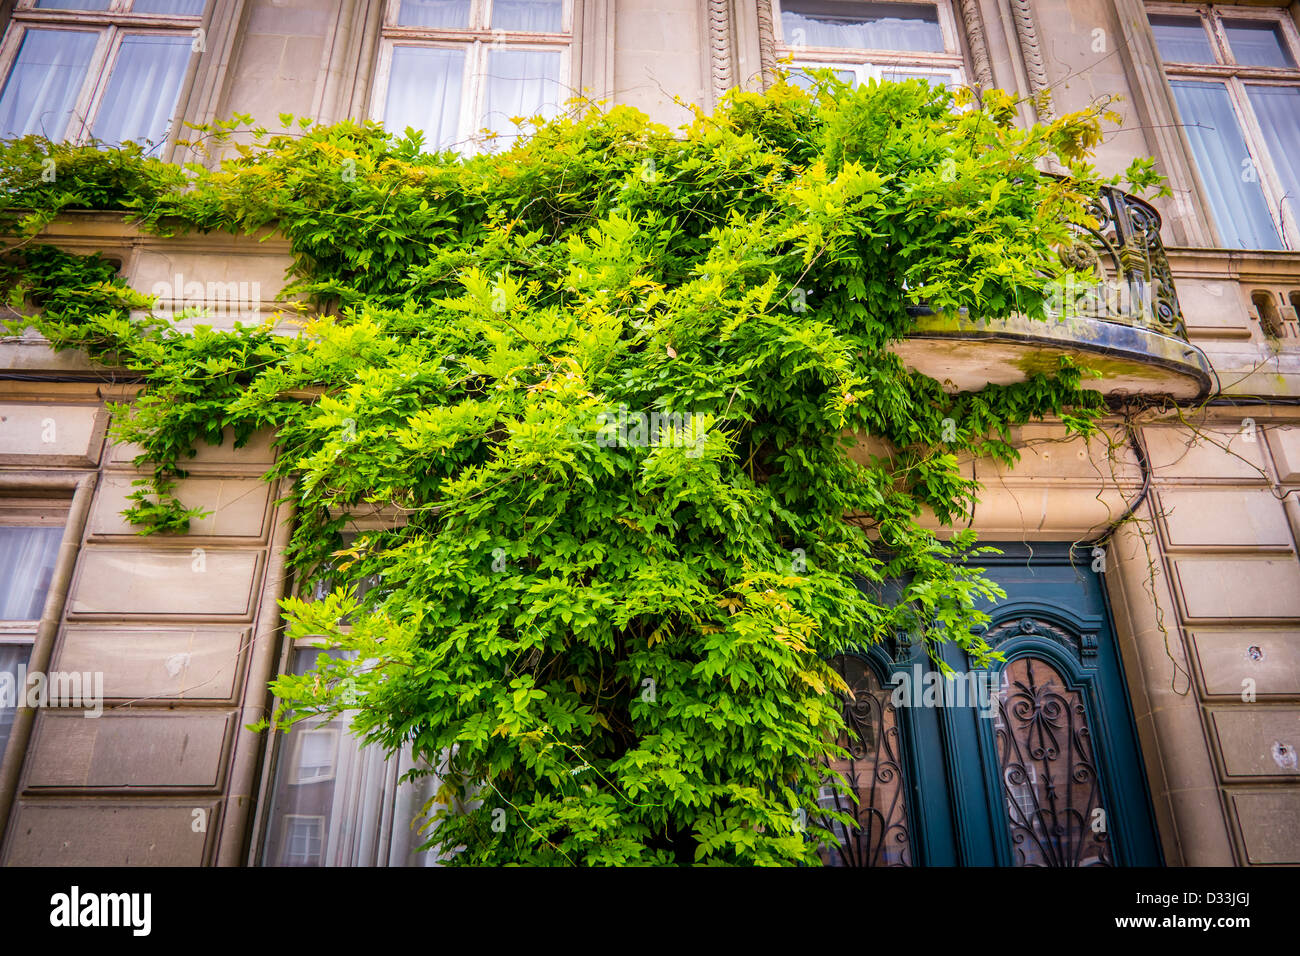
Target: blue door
{"type": "Point", "coordinates": [1034, 762]}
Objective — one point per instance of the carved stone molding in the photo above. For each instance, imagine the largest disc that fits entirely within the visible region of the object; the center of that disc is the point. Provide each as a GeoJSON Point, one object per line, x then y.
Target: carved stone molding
{"type": "Point", "coordinates": [1032, 52]}
{"type": "Point", "coordinates": [979, 45]}
{"type": "Point", "coordinates": [766, 42]}
{"type": "Point", "coordinates": [721, 74]}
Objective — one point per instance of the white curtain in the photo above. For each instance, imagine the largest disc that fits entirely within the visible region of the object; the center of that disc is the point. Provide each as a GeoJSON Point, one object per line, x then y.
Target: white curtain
{"type": "Point", "coordinates": [1278, 110]}
{"type": "Point", "coordinates": [1231, 182]}
{"type": "Point", "coordinates": [424, 87]}
{"type": "Point", "coordinates": [433, 13]}
{"type": "Point", "coordinates": [535, 16]}
{"type": "Point", "coordinates": [862, 26]}
{"type": "Point", "coordinates": [27, 557]}
{"type": "Point", "coordinates": [1182, 40]}
{"type": "Point", "coordinates": [142, 89]}
{"type": "Point", "coordinates": [519, 83]}
{"type": "Point", "coordinates": [177, 8]}
{"type": "Point", "coordinates": [1257, 44]}
{"type": "Point", "coordinates": [337, 803]}
{"type": "Point", "coordinates": [42, 88]}
{"type": "Point", "coordinates": [12, 656]}
{"type": "Point", "coordinates": [408, 808]}
{"type": "Point", "coordinates": [72, 4]}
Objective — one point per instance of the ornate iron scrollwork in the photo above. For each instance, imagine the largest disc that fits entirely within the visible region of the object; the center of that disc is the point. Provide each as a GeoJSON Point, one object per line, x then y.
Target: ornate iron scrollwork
{"type": "Point", "coordinates": [875, 773]}
{"type": "Point", "coordinates": [1128, 257]}
{"type": "Point", "coordinates": [1049, 774]}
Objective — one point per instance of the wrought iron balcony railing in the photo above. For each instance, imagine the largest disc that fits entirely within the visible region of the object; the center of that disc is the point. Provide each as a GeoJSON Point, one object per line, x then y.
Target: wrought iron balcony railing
{"type": "Point", "coordinates": [1136, 286]}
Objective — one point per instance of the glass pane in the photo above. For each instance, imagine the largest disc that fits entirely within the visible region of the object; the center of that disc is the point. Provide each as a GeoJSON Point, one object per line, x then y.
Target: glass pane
{"type": "Point", "coordinates": [1278, 110]}
{"type": "Point", "coordinates": [12, 690]}
{"type": "Point", "coordinates": [874, 769]}
{"type": "Point", "coordinates": [897, 76]}
{"type": "Point", "coordinates": [452, 14]}
{"type": "Point", "coordinates": [72, 4]}
{"type": "Point", "coordinates": [519, 83]}
{"type": "Point", "coordinates": [336, 803]}
{"type": "Point", "coordinates": [1231, 180]}
{"type": "Point", "coordinates": [536, 16]}
{"type": "Point", "coordinates": [802, 80]}
{"type": "Point", "coordinates": [177, 8]}
{"type": "Point", "coordinates": [1049, 774]}
{"type": "Point", "coordinates": [27, 557]}
{"type": "Point", "coordinates": [862, 26]}
{"type": "Point", "coordinates": [42, 87]}
{"type": "Point", "coordinates": [424, 92]}
{"type": "Point", "coordinates": [1257, 44]}
{"type": "Point", "coordinates": [1182, 40]}
{"type": "Point", "coordinates": [142, 89]}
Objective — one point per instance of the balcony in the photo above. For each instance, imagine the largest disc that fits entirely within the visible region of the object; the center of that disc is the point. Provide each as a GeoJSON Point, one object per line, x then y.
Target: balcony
{"type": "Point", "coordinates": [1128, 326]}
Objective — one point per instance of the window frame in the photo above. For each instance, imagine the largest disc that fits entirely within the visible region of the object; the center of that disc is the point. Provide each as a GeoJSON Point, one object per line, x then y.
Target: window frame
{"type": "Point", "coordinates": [112, 26]}
{"type": "Point", "coordinates": [1236, 78]}
{"type": "Point", "coordinates": [42, 512]}
{"type": "Point", "coordinates": [476, 40]}
{"type": "Point", "coordinates": [870, 64]}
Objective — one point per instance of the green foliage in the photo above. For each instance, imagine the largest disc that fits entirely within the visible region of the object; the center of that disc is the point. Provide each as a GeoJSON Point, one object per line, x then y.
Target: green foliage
{"type": "Point", "coordinates": [610, 636]}
{"type": "Point", "coordinates": [41, 178]}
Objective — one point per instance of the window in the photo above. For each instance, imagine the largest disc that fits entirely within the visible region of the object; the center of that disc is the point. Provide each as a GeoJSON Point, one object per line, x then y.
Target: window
{"type": "Point", "coordinates": [882, 39]}
{"type": "Point", "coordinates": [1235, 76]}
{"type": "Point", "coordinates": [30, 535]}
{"type": "Point", "coordinates": [459, 71]}
{"type": "Point", "coordinates": [109, 70]}
{"type": "Point", "coordinates": [336, 803]}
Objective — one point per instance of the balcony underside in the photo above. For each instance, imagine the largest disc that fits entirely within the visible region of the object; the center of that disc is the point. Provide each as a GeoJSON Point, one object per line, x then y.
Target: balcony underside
{"type": "Point", "coordinates": [966, 354]}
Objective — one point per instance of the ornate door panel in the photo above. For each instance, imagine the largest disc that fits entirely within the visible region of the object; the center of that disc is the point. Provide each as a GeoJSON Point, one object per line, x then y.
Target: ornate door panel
{"type": "Point", "coordinates": [1045, 770]}
{"type": "Point", "coordinates": [1052, 790]}
{"type": "Point", "coordinates": [876, 772]}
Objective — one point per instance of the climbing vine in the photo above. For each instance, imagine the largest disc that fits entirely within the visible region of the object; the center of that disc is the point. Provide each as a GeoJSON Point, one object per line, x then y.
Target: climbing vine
{"type": "Point", "coordinates": [605, 383]}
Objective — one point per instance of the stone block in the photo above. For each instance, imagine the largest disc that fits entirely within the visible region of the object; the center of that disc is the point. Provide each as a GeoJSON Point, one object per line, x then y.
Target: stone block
{"type": "Point", "coordinates": [156, 663]}
{"type": "Point", "coordinates": [1242, 588]}
{"type": "Point", "coordinates": [49, 434]}
{"type": "Point", "coordinates": [1224, 518]}
{"type": "Point", "coordinates": [128, 749]}
{"type": "Point", "coordinates": [1257, 740]}
{"type": "Point", "coordinates": [239, 507]}
{"type": "Point", "coordinates": [80, 833]}
{"type": "Point", "coordinates": [144, 581]}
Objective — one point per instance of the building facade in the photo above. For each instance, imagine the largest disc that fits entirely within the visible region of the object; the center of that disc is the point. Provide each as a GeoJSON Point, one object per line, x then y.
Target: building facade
{"type": "Point", "coordinates": [1150, 706]}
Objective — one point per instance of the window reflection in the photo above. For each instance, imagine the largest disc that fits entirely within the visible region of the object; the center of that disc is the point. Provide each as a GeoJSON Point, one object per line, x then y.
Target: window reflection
{"type": "Point", "coordinates": [336, 803]}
